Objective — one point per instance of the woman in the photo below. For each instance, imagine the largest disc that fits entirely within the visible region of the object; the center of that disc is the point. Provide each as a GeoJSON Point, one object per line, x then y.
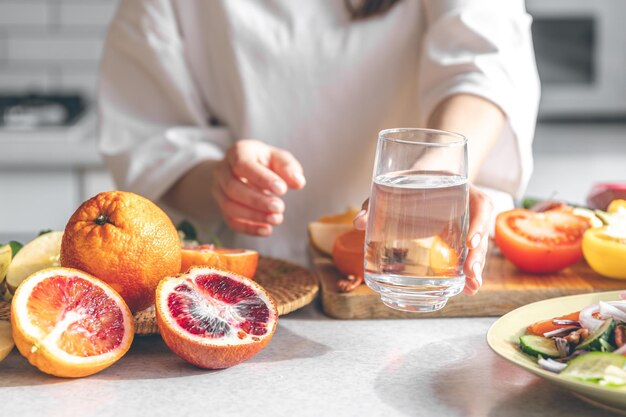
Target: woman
{"type": "Point", "coordinates": [216, 109]}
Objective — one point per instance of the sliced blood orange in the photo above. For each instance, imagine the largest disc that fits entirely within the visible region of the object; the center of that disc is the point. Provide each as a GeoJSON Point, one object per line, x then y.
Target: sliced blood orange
{"type": "Point", "coordinates": [70, 324]}
{"type": "Point", "coordinates": [214, 319]}
{"type": "Point", "coordinates": [239, 261]}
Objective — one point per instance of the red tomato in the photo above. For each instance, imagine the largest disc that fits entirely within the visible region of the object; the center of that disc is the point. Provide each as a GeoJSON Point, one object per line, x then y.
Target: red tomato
{"type": "Point", "coordinates": [540, 242]}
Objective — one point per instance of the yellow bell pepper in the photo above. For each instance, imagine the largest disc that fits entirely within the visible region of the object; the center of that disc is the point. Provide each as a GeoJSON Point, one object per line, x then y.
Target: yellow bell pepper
{"type": "Point", "coordinates": [617, 206]}
{"type": "Point", "coordinates": [604, 248]}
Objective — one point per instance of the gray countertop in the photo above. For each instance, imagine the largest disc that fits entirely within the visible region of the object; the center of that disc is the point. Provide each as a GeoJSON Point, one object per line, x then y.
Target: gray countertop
{"type": "Point", "coordinates": [314, 366]}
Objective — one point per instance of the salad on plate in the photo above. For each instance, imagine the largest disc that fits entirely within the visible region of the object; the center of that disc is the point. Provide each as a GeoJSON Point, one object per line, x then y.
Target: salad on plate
{"type": "Point", "coordinates": [587, 345]}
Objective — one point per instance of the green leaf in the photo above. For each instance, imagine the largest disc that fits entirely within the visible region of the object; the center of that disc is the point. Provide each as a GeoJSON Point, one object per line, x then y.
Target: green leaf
{"type": "Point", "coordinates": [15, 247]}
{"type": "Point", "coordinates": [188, 229]}
{"type": "Point", "coordinates": [606, 346]}
{"type": "Point", "coordinates": [44, 231]}
{"type": "Point", "coordinates": [528, 202]}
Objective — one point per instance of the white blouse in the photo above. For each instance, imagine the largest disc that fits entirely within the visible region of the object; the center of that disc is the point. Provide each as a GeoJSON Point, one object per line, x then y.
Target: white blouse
{"type": "Point", "coordinates": [182, 80]}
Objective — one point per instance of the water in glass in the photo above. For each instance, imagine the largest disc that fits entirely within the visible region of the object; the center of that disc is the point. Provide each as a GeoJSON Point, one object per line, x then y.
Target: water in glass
{"type": "Point", "coordinates": [415, 244]}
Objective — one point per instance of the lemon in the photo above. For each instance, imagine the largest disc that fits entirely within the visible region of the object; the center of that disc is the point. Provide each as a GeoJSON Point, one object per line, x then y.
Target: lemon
{"type": "Point", "coordinates": [5, 260]}
{"type": "Point", "coordinates": [443, 259]}
{"type": "Point", "coordinates": [6, 340]}
{"type": "Point", "coordinates": [345, 218]}
{"type": "Point", "coordinates": [41, 252]}
{"type": "Point", "coordinates": [325, 230]}
{"type": "Point", "coordinates": [323, 235]}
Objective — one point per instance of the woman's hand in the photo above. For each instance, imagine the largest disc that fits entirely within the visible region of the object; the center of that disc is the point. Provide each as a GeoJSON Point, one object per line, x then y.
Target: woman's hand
{"type": "Point", "coordinates": [248, 183]}
{"type": "Point", "coordinates": [480, 208]}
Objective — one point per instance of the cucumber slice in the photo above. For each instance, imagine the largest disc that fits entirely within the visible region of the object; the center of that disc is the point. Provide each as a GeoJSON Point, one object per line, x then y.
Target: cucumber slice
{"type": "Point", "coordinates": [539, 346]}
{"type": "Point", "coordinates": [593, 341]}
{"type": "Point", "coordinates": [593, 366]}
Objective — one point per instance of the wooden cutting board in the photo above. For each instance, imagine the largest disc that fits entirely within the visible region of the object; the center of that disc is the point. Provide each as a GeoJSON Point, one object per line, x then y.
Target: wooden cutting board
{"type": "Point", "coordinates": [504, 289]}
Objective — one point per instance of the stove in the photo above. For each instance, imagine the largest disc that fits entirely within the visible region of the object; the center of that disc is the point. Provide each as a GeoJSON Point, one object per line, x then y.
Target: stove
{"type": "Point", "coordinates": [37, 111]}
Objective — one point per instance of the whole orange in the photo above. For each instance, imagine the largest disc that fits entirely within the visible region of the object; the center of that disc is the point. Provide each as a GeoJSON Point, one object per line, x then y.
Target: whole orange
{"type": "Point", "coordinates": [125, 240]}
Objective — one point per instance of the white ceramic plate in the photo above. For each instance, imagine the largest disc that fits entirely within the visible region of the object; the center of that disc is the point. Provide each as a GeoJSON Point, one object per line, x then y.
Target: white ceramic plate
{"type": "Point", "coordinates": [503, 338]}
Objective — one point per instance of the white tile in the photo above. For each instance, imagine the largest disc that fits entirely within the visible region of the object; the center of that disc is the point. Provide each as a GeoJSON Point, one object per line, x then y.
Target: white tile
{"type": "Point", "coordinates": [21, 80]}
{"type": "Point", "coordinates": [54, 47]}
{"type": "Point", "coordinates": [81, 13]}
{"type": "Point", "coordinates": [24, 13]}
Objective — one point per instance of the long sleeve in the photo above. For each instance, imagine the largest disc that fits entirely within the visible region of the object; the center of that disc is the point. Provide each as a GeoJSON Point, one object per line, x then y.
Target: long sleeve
{"type": "Point", "coordinates": [484, 47]}
{"type": "Point", "coordinates": [153, 125]}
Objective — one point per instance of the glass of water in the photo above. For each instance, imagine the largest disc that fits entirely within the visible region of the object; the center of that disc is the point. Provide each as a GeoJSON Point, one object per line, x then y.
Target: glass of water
{"type": "Point", "coordinates": [418, 218]}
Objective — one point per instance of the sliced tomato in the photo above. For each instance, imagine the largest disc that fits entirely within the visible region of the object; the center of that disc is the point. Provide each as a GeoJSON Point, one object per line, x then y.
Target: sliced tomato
{"type": "Point", "coordinates": [588, 216]}
{"type": "Point", "coordinates": [540, 242]}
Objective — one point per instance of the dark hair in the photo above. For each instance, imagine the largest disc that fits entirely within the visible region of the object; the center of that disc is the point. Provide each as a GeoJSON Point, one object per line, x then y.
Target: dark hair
{"type": "Point", "coordinates": [368, 8]}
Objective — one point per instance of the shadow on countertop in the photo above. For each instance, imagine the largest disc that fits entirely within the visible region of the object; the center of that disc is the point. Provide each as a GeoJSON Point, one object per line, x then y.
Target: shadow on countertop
{"type": "Point", "coordinates": [473, 382]}
{"type": "Point", "coordinates": [150, 358]}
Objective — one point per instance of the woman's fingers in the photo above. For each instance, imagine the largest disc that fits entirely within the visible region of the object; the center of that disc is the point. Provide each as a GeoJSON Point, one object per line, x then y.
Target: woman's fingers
{"type": "Point", "coordinates": [249, 228]}
{"type": "Point", "coordinates": [474, 266]}
{"type": "Point", "coordinates": [360, 220]}
{"type": "Point", "coordinates": [235, 210]}
{"type": "Point", "coordinates": [249, 162]}
{"type": "Point", "coordinates": [265, 167]}
{"type": "Point", "coordinates": [240, 202]}
{"type": "Point", "coordinates": [481, 210]}
{"type": "Point", "coordinates": [246, 195]}
{"type": "Point", "coordinates": [241, 219]}
{"type": "Point", "coordinates": [249, 182]}
{"type": "Point", "coordinates": [288, 168]}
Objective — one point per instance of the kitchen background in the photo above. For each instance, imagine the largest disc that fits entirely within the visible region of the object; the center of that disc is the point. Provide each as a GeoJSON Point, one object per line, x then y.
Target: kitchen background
{"type": "Point", "coordinates": [53, 47]}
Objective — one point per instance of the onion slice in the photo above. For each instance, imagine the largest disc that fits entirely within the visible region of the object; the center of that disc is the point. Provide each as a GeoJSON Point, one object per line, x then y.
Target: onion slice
{"type": "Point", "coordinates": [551, 365]}
{"type": "Point", "coordinates": [561, 331]}
{"type": "Point", "coordinates": [560, 322]}
{"type": "Point", "coordinates": [587, 320]}
{"type": "Point", "coordinates": [614, 309]}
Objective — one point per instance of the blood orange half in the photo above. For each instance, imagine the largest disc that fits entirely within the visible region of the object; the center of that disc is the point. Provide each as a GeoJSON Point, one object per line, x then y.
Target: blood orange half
{"type": "Point", "coordinates": [70, 324]}
{"type": "Point", "coordinates": [214, 319]}
{"type": "Point", "coordinates": [239, 261]}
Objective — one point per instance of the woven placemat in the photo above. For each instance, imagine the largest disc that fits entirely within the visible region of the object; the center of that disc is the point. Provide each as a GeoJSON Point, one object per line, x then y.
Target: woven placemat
{"type": "Point", "coordinates": [291, 286]}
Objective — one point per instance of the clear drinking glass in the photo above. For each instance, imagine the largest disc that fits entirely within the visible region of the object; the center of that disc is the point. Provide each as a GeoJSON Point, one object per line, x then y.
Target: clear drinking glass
{"type": "Point", "coordinates": [418, 219]}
